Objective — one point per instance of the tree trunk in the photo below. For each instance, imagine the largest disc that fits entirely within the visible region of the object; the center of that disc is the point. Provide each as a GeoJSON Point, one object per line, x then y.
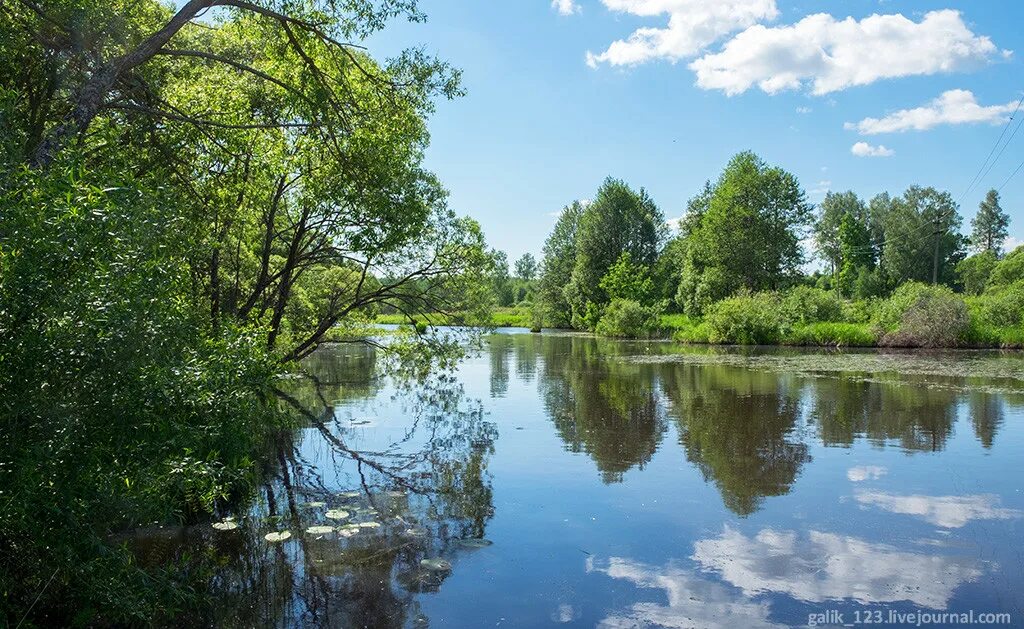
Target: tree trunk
{"type": "Point", "coordinates": [93, 94]}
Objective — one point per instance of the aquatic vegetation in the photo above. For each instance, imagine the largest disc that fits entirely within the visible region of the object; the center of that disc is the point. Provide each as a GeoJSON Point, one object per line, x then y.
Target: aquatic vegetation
{"type": "Point", "coordinates": [475, 542]}
{"type": "Point", "coordinates": [279, 536]}
{"type": "Point", "coordinates": [320, 530]}
{"type": "Point", "coordinates": [336, 514]}
{"type": "Point", "coordinates": [226, 525]}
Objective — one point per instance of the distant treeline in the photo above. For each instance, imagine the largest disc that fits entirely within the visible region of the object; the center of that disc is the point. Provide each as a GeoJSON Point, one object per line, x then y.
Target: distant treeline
{"type": "Point", "coordinates": [897, 269]}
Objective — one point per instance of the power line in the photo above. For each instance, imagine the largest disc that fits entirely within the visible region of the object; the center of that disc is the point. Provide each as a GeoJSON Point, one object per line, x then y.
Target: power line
{"type": "Point", "coordinates": [1015, 171]}
{"type": "Point", "coordinates": [978, 178]}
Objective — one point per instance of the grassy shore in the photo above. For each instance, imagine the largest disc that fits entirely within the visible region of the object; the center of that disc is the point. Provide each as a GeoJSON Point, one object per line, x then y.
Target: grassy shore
{"type": "Point", "coordinates": [684, 329]}
{"type": "Point", "coordinates": [513, 317]}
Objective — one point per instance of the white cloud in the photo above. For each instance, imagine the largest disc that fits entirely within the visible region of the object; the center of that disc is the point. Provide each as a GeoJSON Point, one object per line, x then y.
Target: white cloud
{"type": "Point", "coordinates": [863, 149]}
{"type": "Point", "coordinates": [803, 110]}
{"type": "Point", "coordinates": [825, 566]}
{"type": "Point", "coordinates": [836, 54]}
{"type": "Point", "coordinates": [1012, 243]}
{"type": "Point", "coordinates": [951, 512]}
{"type": "Point", "coordinates": [692, 600]}
{"type": "Point", "coordinates": [565, 7]}
{"type": "Point", "coordinates": [866, 472]}
{"type": "Point", "coordinates": [693, 25]}
{"type": "Point", "coordinates": [952, 107]}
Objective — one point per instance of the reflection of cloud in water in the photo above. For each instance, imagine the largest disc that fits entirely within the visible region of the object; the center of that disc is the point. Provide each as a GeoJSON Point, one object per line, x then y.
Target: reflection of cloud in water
{"type": "Point", "coordinates": [826, 566]}
{"type": "Point", "coordinates": [565, 613]}
{"type": "Point", "coordinates": [692, 601]}
{"type": "Point", "coordinates": [949, 512]}
{"type": "Point", "coordinates": [866, 472]}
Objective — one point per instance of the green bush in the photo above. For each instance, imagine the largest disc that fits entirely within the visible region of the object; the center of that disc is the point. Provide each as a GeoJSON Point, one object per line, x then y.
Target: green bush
{"type": "Point", "coordinates": [1001, 307]}
{"type": "Point", "coordinates": [806, 304]}
{"type": "Point", "coordinates": [889, 313]}
{"type": "Point", "coordinates": [629, 319]}
{"type": "Point", "coordinates": [832, 334]}
{"type": "Point", "coordinates": [859, 310]}
{"type": "Point", "coordinates": [936, 318]}
{"type": "Point", "coordinates": [695, 333]}
{"type": "Point", "coordinates": [747, 319]}
{"type": "Point", "coordinates": [974, 272]}
{"type": "Point", "coordinates": [1009, 270]}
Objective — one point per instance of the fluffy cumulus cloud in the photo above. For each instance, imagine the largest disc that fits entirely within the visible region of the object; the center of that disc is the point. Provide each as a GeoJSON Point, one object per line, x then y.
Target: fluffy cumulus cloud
{"type": "Point", "coordinates": [693, 25]}
{"type": "Point", "coordinates": [949, 512]}
{"type": "Point", "coordinates": [565, 7]}
{"type": "Point", "coordinates": [833, 55]}
{"type": "Point", "coordinates": [823, 566]}
{"type": "Point", "coordinates": [863, 149]}
{"type": "Point", "coordinates": [952, 107]}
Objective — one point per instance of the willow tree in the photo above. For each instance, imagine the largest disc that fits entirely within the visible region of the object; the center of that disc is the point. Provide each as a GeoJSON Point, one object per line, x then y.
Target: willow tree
{"type": "Point", "coordinates": [187, 199]}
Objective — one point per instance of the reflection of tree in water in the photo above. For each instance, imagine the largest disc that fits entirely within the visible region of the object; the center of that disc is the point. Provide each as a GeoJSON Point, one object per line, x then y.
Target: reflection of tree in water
{"type": "Point", "coordinates": [499, 347]}
{"type": "Point", "coordinates": [849, 406]}
{"type": "Point", "coordinates": [986, 416]}
{"type": "Point", "coordinates": [428, 491]}
{"type": "Point", "coordinates": [527, 349]}
{"type": "Point", "coordinates": [735, 425]}
{"type": "Point", "coordinates": [605, 407]}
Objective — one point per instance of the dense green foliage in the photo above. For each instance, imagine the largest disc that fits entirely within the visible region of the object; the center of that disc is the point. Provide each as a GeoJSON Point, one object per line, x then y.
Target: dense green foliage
{"type": "Point", "coordinates": [619, 222]}
{"type": "Point", "coordinates": [896, 267]}
{"type": "Point", "coordinates": [742, 233]}
{"type": "Point", "coordinates": [187, 207]}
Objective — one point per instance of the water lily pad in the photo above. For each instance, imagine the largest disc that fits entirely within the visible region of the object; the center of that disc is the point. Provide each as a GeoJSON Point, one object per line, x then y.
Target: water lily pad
{"type": "Point", "coordinates": [226, 525]}
{"type": "Point", "coordinates": [320, 530]}
{"type": "Point", "coordinates": [475, 542]}
{"type": "Point", "coordinates": [415, 532]}
{"type": "Point", "coordinates": [279, 536]}
{"type": "Point", "coordinates": [369, 525]}
{"type": "Point", "coordinates": [315, 505]}
{"type": "Point", "coordinates": [350, 494]}
{"type": "Point", "coordinates": [346, 532]}
{"type": "Point", "coordinates": [436, 565]}
{"type": "Point", "coordinates": [396, 494]}
{"type": "Point", "coordinates": [336, 514]}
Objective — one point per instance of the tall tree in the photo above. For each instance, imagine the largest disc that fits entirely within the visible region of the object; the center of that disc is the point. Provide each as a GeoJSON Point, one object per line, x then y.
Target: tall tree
{"type": "Point", "coordinates": [526, 267]}
{"type": "Point", "coordinates": [921, 237]}
{"type": "Point", "coordinates": [748, 237]}
{"type": "Point", "coordinates": [619, 220]}
{"type": "Point", "coordinates": [855, 252]}
{"type": "Point", "coordinates": [826, 228]}
{"type": "Point", "coordinates": [557, 266]}
{"type": "Point", "coordinates": [989, 225]}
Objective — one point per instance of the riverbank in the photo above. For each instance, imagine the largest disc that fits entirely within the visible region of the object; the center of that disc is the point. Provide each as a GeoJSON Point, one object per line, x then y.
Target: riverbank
{"type": "Point", "coordinates": [683, 329]}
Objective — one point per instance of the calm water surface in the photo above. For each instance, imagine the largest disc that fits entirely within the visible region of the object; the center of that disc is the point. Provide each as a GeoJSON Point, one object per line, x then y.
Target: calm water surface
{"type": "Point", "coordinates": [570, 480]}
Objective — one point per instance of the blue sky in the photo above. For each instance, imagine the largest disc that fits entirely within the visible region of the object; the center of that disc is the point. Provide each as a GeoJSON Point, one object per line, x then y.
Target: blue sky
{"type": "Point", "coordinates": [541, 127]}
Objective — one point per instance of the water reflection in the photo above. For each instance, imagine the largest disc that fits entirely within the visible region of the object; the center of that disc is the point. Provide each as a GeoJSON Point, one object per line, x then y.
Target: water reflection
{"type": "Point", "coordinates": [607, 408]}
{"type": "Point", "coordinates": [945, 511]}
{"type": "Point", "coordinates": [817, 567]}
{"type": "Point", "coordinates": [918, 418]}
{"type": "Point", "coordinates": [737, 426]}
{"type": "Point", "coordinates": [381, 497]}
{"type": "Point", "coordinates": [677, 442]}
{"type": "Point", "coordinates": [692, 601]}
